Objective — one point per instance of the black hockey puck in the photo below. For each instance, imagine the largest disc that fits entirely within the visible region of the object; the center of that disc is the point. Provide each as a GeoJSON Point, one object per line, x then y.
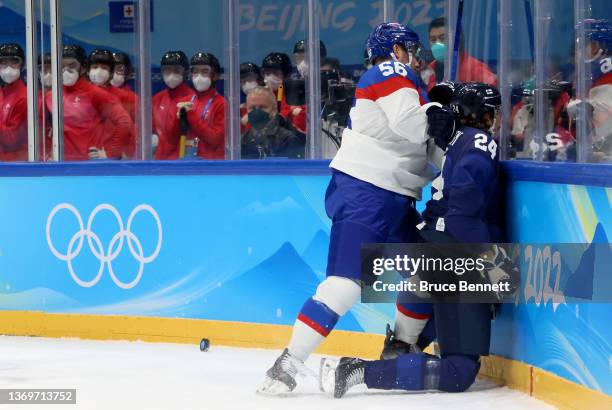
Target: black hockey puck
{"type": "Point", "coordinates": [204, 345]}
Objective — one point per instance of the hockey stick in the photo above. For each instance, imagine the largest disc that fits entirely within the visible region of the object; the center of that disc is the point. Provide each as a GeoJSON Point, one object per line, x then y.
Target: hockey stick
{"type": "Point", "coordinates": [529, 27]}
{"type": "Point", "coordinates": [455, 61]}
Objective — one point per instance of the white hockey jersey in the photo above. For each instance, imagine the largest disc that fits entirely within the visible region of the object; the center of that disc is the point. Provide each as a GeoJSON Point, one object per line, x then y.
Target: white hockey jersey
{"type": "Point", "coordinates": [386, 143]}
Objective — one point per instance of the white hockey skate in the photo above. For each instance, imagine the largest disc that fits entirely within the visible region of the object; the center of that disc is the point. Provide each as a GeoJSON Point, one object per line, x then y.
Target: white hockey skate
{"type": "Point", "coordinates": [327, 374]}
{"type": "Point", "coordinates": [280, 378]}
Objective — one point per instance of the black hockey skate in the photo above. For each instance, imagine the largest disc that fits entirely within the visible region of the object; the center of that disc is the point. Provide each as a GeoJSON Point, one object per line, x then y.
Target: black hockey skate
{"type": "Point", "coordinates": [394, 347]}
{"type": "Point", "coordinates": [280, 378]}
{"type": "Point", "coordinates": [349, 373]}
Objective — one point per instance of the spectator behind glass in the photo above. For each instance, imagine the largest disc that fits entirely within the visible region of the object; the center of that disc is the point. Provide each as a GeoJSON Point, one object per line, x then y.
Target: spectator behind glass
{"type": "Point", "coordinates": [95, 123]}
{"type": "Point", "coordinates": [129, 99]}
{"type": "Point", "coordinates": [168, 127]}
{"type": "Point", "coordinates": [276, 69]}
{"type": "Point", "coordinates": [44, 117]}
{"type": "Point", "coordinates": [250, 78]}
{"type": "Point", "coordinates": [470, 69]}
{"type": "Point", "coordinates": [14, 105]}
{"type": "Point", "coordinates": [101, 65]}
{"type": "Point", "coordinates": [598, 106]}
{"type": "Point", "coordinates": [299, 57]}
{"type": "Point", "coordinates": [332, 64]}
{"type": "Point", "coordinates": [270, 135]}
{"type": "Point", "coordinates": [206, 115]}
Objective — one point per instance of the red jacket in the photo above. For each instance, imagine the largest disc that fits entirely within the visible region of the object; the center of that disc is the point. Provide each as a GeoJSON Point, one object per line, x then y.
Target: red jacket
{"type": "Point", "coordinates": [470, 69]}
{"type": "Point", "coordinates": [166, 123]}
{"type": "Point", "coordinates": [14, 122]}
{"type": "Point", "coordinates": [207, 122]}
{"type": "Point", "coordinates": [93, 117]}
{"type": "Point", "coordinates": [298, 121]}
{"type": "Point", "coordinates": [129, 101]}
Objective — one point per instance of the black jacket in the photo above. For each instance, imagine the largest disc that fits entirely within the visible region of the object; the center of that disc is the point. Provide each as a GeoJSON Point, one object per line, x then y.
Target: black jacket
{"type": "Point", "coordinates": [277, 139]}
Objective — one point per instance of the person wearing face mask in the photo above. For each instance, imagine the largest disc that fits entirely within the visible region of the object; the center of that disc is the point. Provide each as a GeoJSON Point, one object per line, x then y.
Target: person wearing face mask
{"type": "Point", "coordinates": [95, 123]}
{"type": "Point", "coordinates": [128, 98]}
{"type": "Point", "coordinates": [276, 68]}
{"type": "Point", "coordinates": [299, 58]}
{"type": "Point", "coordinates": [206, 115]}
{"type": "Point", "coordinates": [101, 65]}
{"type": "Point", "coordinates": [470, 69]}
{"type": "Point", "coordinates": [377, 176]}
{"type": "Point", "coordinates": [270, 135]}
{"type": "Point", "coordinates": [44, 117]}
{"type": "Point", "coordinates": [168, 108]}
{"type": "Point", "coordinates": [14, 105]}
{"type": "Point", "coordinates": [250, 78]}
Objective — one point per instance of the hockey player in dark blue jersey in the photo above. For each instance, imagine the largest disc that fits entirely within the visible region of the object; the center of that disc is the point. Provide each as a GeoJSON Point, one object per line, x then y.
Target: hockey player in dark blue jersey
{"type": "Point", "coordinates": [463, 208]}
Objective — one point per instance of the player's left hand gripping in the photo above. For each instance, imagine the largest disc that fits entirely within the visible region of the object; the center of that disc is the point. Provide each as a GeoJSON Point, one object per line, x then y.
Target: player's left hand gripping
{"type": "Point", "coordinates": [440, 125]}
{"type": "Point", "coordinates": [502, 269]}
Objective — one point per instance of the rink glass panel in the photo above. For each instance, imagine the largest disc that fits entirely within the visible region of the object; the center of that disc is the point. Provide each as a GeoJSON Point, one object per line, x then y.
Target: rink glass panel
{"type": "Point", "coordinates": [99, 26]}
{"type": "Point", "coordinates": [525, 45]}
{"type": "Point", "coordinates": [13, 120]}
{"type": "Point", "coordinates": [191, 27]}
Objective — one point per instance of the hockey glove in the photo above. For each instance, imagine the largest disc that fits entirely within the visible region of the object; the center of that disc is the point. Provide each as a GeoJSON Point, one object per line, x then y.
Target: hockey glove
{"type": "Point", "coordinates": [440, 125]}
{"type": "Point", "coordinates": [501, 269]}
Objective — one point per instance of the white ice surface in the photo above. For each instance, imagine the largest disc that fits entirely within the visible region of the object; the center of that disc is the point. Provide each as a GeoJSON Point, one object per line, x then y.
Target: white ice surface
{"type": "Point", "coordinates": [135, 375]}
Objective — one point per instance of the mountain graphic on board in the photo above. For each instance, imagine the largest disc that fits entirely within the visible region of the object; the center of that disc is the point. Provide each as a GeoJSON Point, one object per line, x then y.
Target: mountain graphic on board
{"type": "Point", "coordinates": [271, 292]}
{"type": "Point", "coordinates": [315, 253]}
{"type": "Point", "coordinates": [592, 271]}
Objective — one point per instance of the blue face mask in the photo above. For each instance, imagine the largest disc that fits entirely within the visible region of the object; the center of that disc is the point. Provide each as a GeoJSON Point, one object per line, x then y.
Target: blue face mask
{"type": "Point", "coordinates": [439, 51]}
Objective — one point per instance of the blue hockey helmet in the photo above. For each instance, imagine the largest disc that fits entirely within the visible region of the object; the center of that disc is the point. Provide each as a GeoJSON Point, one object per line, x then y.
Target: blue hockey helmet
{"type": "Point", "coordinates": [599, 31]}
{"type": "Point", "coordinates": [382, 39]}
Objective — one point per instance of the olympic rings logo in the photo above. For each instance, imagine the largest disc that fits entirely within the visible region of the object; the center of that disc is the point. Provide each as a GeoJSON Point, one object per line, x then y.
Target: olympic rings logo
{"type": "Point", "coordinates": [115, 246]}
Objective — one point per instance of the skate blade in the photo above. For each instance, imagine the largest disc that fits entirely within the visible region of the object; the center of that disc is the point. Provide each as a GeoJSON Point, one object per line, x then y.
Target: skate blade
{"type": "Point", "coordinates": [327, 374]}
{"type": "Point", "coordinates": [271, 387]}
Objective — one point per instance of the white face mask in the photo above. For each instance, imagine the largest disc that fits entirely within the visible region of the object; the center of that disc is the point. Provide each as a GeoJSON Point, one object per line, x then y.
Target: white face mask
{"type": "Point", "coordinates": [201, 82]}
{"type": "Point", "coordinates": [70, 77]}
{"type": "Point", "coordinates": [118, 80]}
{"type": "Point", "coordinates": [302, 68]}
{"type": "Point", "coordinates": [248, 86]}
{"type": "Point", "coordinates": [273, 82]}
{"type": "Point", "coordinates": [9, 74]}
{"type": "Point", "coordinates": [173, 80]}
{"type": "Point", "coordinates": [99, 76]}
{"type": "Point", "coordinates": [46, 79]}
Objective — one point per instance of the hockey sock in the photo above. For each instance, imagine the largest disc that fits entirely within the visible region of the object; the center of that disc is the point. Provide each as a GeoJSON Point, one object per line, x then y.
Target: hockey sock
{"type": "Point", "coordinates": [410, 320]}
{"type": "Point", "coordinates": [319, 315]}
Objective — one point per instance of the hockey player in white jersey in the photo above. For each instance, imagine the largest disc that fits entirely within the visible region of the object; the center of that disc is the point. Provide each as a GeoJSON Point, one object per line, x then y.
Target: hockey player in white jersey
{"type": "Point", "coordinates": [377, 175]}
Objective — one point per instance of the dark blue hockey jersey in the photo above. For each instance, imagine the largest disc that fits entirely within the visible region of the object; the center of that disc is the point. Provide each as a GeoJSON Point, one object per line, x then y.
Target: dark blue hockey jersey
{"type": "Point", "coordinates": [466, 196]}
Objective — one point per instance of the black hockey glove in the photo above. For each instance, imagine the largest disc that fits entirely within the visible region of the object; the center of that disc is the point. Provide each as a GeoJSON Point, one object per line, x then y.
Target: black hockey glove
{"type": "Point", "coordinates": [502, 269]}
{"type": "Point", "coordinates": [440, 125]}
